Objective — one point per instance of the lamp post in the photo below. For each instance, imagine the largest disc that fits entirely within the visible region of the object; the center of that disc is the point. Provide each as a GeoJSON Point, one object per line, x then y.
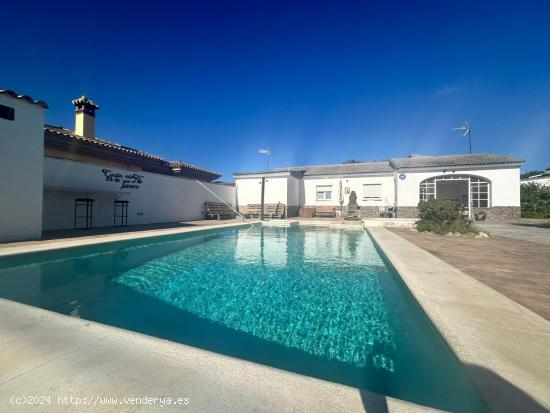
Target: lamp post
{"type": "Point", "coordinates": [266, 152]}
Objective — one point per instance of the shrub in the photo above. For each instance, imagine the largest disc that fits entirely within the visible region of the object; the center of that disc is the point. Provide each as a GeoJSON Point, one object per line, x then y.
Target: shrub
{"type": "Point", "coordinates": [441, 217]}
{"type": "Point", "coordinates": [535, 201]}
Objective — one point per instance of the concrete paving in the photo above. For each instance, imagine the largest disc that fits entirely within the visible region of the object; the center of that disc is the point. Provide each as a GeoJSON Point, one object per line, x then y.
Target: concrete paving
{"type": "Point", "coordinates": [504, 347]}
{"type": "Point", "coordinates": [534, 232]}
{"type": "Point", "coordinates": [516, 268]}
{"type": "Point", "coordinates": [99, 368]}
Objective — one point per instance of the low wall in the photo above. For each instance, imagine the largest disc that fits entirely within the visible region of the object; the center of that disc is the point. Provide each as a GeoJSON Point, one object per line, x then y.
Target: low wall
{"type": "Point", "coordinates": [407, 212]}
{"type": "Point", "coordinates": [499, 213]}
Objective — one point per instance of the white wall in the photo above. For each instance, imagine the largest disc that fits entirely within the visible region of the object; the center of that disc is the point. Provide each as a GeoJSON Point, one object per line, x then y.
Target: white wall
{"type": "Point", "coordinates": [293, 191]}
{"type": "Point", "coordinates": [504, 185]}
{"type": "Point", "coordinates": [158, 199]}
{"type": "Point", "coordinates": [21, 155]}
{"type": "Point", "coordinates": [354, 184]}
{"type": "Point", "coordinates": [249, 190]}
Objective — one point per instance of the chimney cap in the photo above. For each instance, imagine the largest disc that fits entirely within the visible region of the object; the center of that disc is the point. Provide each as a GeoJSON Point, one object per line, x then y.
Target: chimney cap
{"type": "Point", "coordinates": [85, 102]}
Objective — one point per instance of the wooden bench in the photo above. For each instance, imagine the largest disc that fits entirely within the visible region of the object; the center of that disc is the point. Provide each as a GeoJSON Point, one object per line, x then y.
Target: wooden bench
{"type": "Point", "coordinates": [279, 211]}
{"type": "Point", "coordinates": [270, 210]}
{"type": "Point", "coordinates": [274, 210]}
{"type": "Point", "coordinates": [218, 210]}
{"type": "Point", "coordinates": [324, 211]}
{"type": "Point", "coordinates": [253, 210]}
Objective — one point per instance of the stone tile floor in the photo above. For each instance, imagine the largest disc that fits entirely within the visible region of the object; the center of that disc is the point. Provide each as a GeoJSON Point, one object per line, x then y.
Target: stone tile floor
{"type": "Point", "coordinates": [517, 268]}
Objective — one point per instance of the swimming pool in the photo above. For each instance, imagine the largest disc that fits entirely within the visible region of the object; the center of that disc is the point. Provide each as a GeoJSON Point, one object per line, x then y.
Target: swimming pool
{"type": "Point", "coordinates": [315, 301]}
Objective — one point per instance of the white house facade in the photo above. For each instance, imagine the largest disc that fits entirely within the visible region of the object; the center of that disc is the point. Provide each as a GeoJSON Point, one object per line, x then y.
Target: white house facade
{"type": "Point", "coordinates": [55, 178]}
{"type": "Point", "coordinates": [478, 182]}
{"type": "Point", "coordinates": [542, 179]}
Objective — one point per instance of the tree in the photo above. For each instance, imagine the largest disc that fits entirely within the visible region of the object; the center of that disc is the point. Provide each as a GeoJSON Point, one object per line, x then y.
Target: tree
{"type": "Point", "coordinates": [535, 201]}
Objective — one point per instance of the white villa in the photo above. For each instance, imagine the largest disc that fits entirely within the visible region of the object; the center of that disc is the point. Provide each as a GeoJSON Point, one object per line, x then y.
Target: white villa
{"type": "Point", "coordinates": [478, 181]}
{"type": "Point", "coordinates": [56, 178]}
{"type": "Point", "coordinates": [541, 179]}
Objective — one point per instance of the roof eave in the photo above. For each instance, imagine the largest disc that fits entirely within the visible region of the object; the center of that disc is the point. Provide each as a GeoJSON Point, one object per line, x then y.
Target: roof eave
{"type": "Point", "coordinates": [459, 167]}
{"type": "Point", "coordinates": [26, 98]}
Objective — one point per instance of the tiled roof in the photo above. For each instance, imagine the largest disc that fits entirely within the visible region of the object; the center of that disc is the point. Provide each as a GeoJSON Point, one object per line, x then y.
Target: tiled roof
{"type": "Point", "coordinates": [382, 167]}
{"type": "Point", "coordinates": [24, 97]}
{"type": "Point", "coordinates": [419, 162]}
{"type": "Point", "coordinates": [350, 168]}
{"type": "Point", "coordinates": [98, 141]}
{"type": "Point", "coordinates": [338, 169]}
{"type": "Point", "coordinates": [545, 174]}
{"type": "Point", "coordinates": [297, 170]}
{"type": "Point", "coordinates": [175, 165]}
{"type": "Point", "coordinates": [61, 138]}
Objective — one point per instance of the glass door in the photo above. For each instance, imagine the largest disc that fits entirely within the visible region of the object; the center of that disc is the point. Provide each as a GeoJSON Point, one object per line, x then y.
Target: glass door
{"type": "Point", "coordinates": [121, 214]}
{"type": "Point", "coordinates": [83, 213]}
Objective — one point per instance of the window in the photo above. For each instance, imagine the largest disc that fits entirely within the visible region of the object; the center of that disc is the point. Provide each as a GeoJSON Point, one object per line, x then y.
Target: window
{"type": "Point", "coordinates": [7, 113]}
{"type": "Point", "coordinates": [479, 193]}
{"type": "Point", "coordinates": [372, 191]}
{"type": "Point", "coordinates": [427, 189]}
{"type": "Point", "coordinates": [479, 189]}
{"type": "Point", "coordinates": [324, 192]}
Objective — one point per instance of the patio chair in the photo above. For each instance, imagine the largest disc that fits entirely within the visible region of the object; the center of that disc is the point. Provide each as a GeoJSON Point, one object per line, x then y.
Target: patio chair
{"type": "Point", "coordinates": [480, 216]}
{"type": "Point", "coordinates": [390, 212]}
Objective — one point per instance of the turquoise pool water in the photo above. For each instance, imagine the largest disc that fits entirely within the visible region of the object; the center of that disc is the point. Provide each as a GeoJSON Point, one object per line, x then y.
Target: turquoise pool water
{"type": "Point", "coordinates": [318, 302]}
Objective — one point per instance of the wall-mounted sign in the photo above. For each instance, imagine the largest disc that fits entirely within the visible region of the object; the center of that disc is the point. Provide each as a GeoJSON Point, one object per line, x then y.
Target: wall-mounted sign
{"type": "Point", "coordinates": [128, 181]}
{"type": "Point", "coordinates": [402, 177]}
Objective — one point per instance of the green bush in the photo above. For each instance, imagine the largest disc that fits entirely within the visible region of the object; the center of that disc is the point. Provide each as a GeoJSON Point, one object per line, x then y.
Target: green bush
{"type": "Point", "coordinates": [442, 217]}
{"type": "Point", "coordinates": [535, 201]}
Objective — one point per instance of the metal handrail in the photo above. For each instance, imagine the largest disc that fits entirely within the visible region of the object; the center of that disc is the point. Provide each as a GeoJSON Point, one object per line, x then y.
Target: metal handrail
{"type": "Point", "coordinates": [229, 205]}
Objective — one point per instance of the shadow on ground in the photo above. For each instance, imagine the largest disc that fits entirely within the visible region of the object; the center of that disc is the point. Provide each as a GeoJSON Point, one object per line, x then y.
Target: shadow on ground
{"type": "Point", "coordinates": [533, 225]}
{"type": "Point", "coordinates": [500, 394]}
{"type": "Point", "coordinates": [76, 233]}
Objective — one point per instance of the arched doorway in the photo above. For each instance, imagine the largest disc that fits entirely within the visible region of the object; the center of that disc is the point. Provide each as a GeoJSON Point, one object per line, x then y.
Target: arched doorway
{"type": "Point", "coordinates": [468, 191]}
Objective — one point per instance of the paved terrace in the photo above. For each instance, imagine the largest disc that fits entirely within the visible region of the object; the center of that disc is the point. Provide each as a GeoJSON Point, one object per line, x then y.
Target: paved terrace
{"type": "Point", "coordinates": [514, 267]}
{"type": "Point", "coordinates": [504, 347]}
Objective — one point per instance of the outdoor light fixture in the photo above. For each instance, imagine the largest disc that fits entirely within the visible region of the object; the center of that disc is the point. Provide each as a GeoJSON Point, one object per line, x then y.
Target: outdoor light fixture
{"type": "Point", "coordinates": [266, 152]}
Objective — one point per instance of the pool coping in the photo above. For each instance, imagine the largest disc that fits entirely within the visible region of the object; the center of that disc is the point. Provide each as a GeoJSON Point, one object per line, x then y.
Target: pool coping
{"type": "Point", "coordinates": [503, 347]}
{"type": "Point", "coordinates": [122, 363]}
{"type": "Point", "coordinates": [48, 353]}
{"type": "Point", "coordinates": [63, 243]}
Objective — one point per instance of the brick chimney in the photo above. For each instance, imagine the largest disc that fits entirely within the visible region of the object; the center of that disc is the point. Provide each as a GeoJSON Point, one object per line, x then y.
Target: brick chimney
{"type": "Point", "coordinates": [85, 117]}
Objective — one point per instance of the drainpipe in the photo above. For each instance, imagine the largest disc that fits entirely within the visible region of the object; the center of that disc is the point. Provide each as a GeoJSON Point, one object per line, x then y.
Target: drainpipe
{"type": "Point", "coordinates": [396, 185]}
{"type": "Point", "coordinates": [262, 200]}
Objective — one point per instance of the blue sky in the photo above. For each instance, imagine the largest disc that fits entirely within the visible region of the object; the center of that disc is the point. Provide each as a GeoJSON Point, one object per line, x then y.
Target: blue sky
{"type": "Point", "coordinates": [212, 82]}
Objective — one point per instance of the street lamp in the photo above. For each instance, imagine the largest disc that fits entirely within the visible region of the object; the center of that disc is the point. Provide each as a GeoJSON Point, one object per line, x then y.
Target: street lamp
{"type": "Point", "coordinates": [266, 152]}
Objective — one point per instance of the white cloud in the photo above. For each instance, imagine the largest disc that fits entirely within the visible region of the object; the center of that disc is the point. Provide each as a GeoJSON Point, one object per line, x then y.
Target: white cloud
{"type": "Point", "coordinates": [446, 90]}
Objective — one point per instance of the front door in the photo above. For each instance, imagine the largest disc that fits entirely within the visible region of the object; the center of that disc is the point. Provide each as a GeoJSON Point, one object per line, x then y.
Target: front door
{"type": "Point", "coordinates": [455, 191]}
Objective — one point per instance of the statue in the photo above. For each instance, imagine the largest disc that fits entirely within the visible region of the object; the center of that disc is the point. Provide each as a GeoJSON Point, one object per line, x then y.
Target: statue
{"type": "Point", "coordinates": [352, 212]}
